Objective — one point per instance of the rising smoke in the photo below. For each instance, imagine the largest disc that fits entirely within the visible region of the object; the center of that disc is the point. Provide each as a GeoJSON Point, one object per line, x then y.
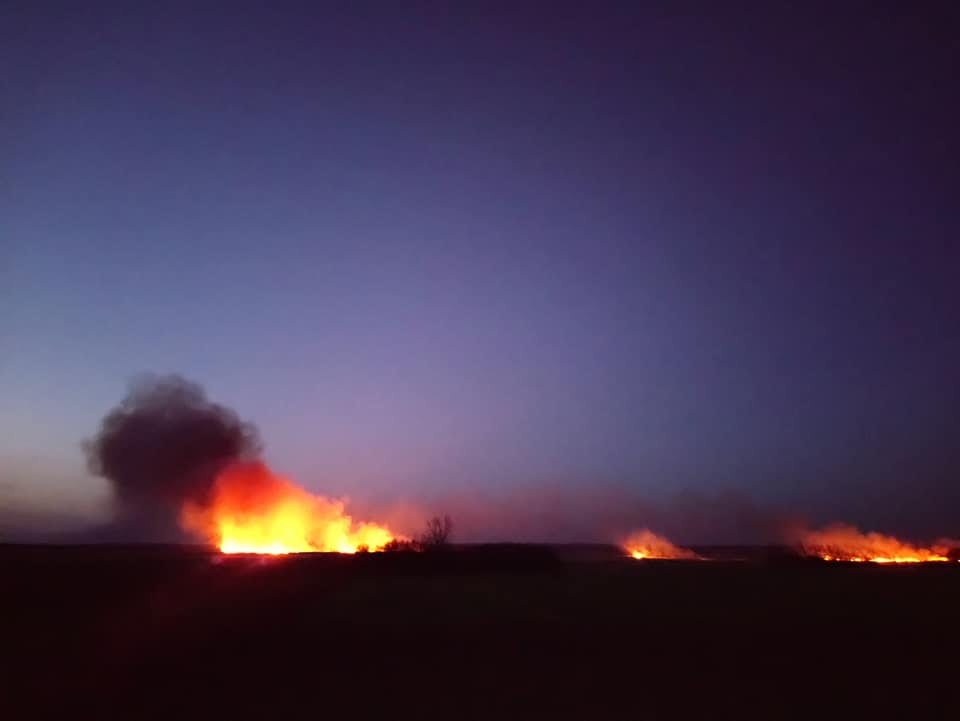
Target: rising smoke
{"type": "Point", "coordinates": [162, 447]}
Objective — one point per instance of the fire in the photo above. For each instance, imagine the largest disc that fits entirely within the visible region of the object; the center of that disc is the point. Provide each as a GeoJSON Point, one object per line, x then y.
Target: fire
{"type": "Point", "coordinates": [847, 543]}
{"type": "Point", "coordinates": [253, 510]}
{"type": "Point", "coordinates": [647, 544]}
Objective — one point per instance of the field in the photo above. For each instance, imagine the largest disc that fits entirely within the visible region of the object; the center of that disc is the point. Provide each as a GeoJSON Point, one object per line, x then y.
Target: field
{"type": "Point", "coordinates": [484, 633]}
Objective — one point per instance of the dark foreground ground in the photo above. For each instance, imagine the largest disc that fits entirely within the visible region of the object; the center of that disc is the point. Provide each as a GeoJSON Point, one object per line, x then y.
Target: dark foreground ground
{"type": "Point", "coordinates": [486, 634]}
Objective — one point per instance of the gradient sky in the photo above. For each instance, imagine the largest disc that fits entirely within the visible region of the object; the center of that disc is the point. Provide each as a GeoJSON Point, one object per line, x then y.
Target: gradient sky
{"type": "Point", "coordinates": [441, 246]}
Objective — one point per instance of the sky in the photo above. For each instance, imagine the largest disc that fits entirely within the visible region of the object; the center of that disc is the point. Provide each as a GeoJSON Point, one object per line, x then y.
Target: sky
{"type": "Point", "coordinates": [670, 249]}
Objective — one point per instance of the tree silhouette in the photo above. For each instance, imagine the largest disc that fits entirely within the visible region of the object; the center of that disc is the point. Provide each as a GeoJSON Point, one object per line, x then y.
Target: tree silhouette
{"type": "Point", "coordinates": [437, 534]}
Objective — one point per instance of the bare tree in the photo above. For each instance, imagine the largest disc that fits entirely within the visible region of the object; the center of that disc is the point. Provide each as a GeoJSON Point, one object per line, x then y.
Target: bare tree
{"type": "Point", "coordinates": [437, 534]}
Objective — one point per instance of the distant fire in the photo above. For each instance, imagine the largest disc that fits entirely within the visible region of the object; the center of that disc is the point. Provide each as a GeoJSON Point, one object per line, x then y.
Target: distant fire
{"type": "Point", "coordinates": [253, 510]}
{"type": "Point", "coordinates": [846, 543]}
{"type": "Point", "coordinates": [647, 544]}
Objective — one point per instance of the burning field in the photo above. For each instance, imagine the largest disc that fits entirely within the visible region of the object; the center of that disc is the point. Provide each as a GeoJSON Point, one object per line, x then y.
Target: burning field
{"type": "Point", "coordinates": [100, 629]}
{"type": "Point", "coordinates": [185, 468]}
{"type": "Point", "coordinates": [252, 510]}
{"type": "Point", "coordinates": [847, 543]}
{"type": "Point", "coordinates": [646, 544]}
{"type": "Point", "coordinates": [836, 543]}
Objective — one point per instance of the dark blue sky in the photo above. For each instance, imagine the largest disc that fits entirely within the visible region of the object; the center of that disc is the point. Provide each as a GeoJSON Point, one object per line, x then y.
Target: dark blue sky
{"type": "Point", "coordinates": [487, 245]}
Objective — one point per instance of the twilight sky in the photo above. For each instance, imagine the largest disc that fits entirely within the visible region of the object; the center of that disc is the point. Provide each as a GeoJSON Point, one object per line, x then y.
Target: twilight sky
{"type": "Point", "coordinates": [451, 247]}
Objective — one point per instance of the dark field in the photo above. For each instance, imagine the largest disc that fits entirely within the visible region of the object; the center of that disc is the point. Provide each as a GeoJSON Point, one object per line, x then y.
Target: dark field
{"type": "Point", "coordinates": [485, 633]}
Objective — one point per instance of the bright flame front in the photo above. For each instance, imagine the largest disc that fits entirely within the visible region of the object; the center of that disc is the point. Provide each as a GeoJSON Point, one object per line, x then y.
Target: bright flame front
{"type": "Point", "coordinates": [846, 543]}
{"type": "Point", "coordinates": [647, 544]}
{"type": "Point", "coordinates": [253, 510]}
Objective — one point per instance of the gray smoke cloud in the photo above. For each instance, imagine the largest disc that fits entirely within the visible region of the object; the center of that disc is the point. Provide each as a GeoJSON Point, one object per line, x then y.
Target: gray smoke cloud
{"type": "Point", "coordinates": [162, 446]}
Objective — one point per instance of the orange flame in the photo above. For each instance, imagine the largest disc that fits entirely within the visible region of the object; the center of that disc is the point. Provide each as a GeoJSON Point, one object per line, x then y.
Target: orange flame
{"type": "Point", "coordinates": [647, 544]}
{"type": "Point", "coordinates": [847, 543]}
{"type": "Point", "coordinates": [253, 510]}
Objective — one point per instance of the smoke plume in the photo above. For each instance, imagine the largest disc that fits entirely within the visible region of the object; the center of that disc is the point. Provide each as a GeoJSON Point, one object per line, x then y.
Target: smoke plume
{"type": "Point", "coordinates": [162, 447]}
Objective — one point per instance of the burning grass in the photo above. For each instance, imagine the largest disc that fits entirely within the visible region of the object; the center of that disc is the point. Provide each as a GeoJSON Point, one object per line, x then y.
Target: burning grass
{"type": "Point", "coordinates": [253, 510]}
{"type": "Point", "coordinates": [645, 544]}
{"type": "Point", "coordinates": [847, 543]}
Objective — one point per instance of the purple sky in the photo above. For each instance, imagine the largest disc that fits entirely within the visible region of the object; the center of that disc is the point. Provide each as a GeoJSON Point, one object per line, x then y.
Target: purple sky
{"type": "Point", "coordinates": [673, 249]}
